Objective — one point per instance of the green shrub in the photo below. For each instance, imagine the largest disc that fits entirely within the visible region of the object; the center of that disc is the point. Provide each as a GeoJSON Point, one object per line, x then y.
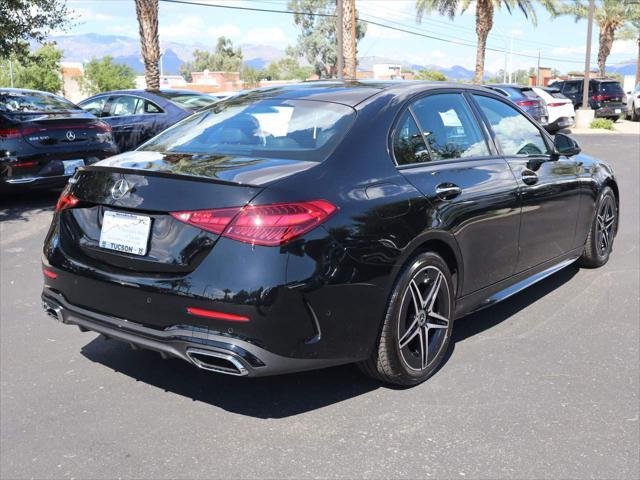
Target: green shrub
{"type": "Point", "coordinates": [602, 123]}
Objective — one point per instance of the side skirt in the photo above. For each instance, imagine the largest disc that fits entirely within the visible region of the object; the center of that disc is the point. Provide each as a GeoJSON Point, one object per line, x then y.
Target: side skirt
{"type": "Point", "coordinates": [504, 289]}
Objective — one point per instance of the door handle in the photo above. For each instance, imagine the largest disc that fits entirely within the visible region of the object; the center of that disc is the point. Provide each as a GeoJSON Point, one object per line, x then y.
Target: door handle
{"type": "Point", "coordinates": [448, 191]}
{"type": "Point", "coordinates": [529, 177]}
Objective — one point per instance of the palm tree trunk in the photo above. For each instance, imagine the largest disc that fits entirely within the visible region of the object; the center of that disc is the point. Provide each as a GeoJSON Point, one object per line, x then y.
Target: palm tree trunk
{"type": "Point", "coordinates": [349, 38]}
{"type": "Point", "coordinates": [604, 49]}
{"type": "Point", "coordinates": [147, 13]}
{"type": "Point", "coordinates": [484, 23]}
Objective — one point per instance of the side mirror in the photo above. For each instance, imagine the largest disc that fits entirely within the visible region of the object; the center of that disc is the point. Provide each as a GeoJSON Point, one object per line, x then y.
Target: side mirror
{"type": "Point", "coordinates": [565, 145]}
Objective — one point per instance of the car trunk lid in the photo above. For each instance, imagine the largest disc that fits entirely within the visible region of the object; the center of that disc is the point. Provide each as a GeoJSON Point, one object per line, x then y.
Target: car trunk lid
{"type": "Point", "coordinates": [61, 129]}
{"type": "Point", "coordinates": [150, 186]}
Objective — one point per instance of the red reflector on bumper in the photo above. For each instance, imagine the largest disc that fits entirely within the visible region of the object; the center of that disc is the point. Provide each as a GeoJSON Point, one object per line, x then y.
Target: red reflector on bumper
{"type": "Point", "coordinates": [201, 312]}
{"type": "Point", "coordinates": [49, 273]}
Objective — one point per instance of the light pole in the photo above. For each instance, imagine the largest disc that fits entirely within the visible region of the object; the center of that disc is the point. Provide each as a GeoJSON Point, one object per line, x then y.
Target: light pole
{"type": "Point", "coordinates": [584, 115]}
{"type": "Point", "coordinates": [339, 38]}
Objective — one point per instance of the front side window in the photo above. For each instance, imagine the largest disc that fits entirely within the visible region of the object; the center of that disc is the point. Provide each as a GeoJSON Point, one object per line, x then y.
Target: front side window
{"type": "Point", "coordinates": [408, 144]}
{"type": "Point", "coordinates": [296, 129]}
{"type": "Point", "coordinates": [515, 134]}
{"type": "Point", "coordinates": [449, 127]}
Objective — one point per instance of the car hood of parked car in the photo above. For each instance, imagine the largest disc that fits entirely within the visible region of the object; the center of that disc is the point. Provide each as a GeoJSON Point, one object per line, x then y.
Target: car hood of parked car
{"type": "Point", "coordinates": [256, 171]}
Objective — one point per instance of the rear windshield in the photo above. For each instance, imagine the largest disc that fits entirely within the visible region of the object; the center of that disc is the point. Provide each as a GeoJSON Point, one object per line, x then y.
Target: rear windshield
{"type": "Point", "coordinates": [610, 87]}
{"type": "Point", "coordinates": [290, 129]}
{"type": "Point", "coordinates": [33, 102]}
{"type": "Point", "coordinates": [190, 101]}
{"type": "Point", "coordinates": [529, 93]}
{"type": "Point", "coordinates": [556, 94]}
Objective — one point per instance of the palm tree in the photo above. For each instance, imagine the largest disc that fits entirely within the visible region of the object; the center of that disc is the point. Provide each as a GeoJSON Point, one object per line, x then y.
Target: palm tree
{"type": "Point", "coordinates": [147, 13]}
{"type": "Point", "coordinates": [348, 35]}
{"type": "Point", "coordinates": [484, 18]}
{"type": "Point", "coordinates": [610, 15]}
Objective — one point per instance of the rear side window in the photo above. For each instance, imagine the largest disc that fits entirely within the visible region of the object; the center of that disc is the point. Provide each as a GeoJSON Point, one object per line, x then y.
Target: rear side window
{"type": "Point", "coordinates": [408, 144]}
{"type": "Point", "coordinates": [571, 88]}
{"type": "Point", "coordinates": [449, 127]}
{"type": "Point", "coordinates": [190, 101]}
{"type": "Point", "coordinates": [95, 106]}
{"type": "Point", "coordinates": [611, 88]}
{"type": "Point", "coordinates": [514, 132]}
{"type": "Point", "coordinates": [296, 129]}
{"type": "Point", "coordinates": [33, 102]}
{"type": "Point", "coordinates": [125, 105]}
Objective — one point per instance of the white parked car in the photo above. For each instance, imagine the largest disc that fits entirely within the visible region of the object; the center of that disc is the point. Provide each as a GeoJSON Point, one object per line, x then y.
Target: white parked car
{"type": "Point", "coordinates": [560, 108]}
{"type": "Point", "coordinates": [632, 110]}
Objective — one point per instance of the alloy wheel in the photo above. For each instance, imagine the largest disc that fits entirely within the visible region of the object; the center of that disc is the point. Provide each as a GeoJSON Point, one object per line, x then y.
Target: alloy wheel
{"type": "Point", "coordinates": [424, 318]}
{"type": "Point", "coordinates": [606, 219]}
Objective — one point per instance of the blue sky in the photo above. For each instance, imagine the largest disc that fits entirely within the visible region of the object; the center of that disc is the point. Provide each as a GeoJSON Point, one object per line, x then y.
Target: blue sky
{"type": "Point", "coordinates": [560, 41]}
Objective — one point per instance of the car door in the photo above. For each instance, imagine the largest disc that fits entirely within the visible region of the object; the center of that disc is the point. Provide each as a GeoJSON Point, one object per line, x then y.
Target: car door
{"type": "Point", "coordinates": [441, 148]}
{"type": "Point", "coordinates": [549, 186]}
{"type": "Point", "coordinates": [125, 115]}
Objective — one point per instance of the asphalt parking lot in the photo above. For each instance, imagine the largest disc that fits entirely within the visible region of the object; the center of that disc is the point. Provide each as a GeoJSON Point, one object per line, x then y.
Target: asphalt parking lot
{"type": "Point", "coordinates": [544, 385]}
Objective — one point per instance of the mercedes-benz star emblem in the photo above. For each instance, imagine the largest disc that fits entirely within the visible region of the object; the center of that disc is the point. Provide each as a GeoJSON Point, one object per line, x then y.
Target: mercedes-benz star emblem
{"type": "Point", "coordinates": [71, 136]}
{"type": "Point", "coordinates": [120, 189]}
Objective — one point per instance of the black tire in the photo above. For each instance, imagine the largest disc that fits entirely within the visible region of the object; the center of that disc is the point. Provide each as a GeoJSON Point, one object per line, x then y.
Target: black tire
{"type": "Point", "coordinates": [635, 114]}
{"type": "Point", "coordinates": [614, 119]}
{"type": "Point", "coordinates": [598, 246]}
{"type": "Point", "coordinates": [405, 365]}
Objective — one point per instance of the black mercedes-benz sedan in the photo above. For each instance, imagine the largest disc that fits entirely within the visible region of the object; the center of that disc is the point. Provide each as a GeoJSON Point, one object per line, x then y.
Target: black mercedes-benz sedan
{"type": "Point", "coordinates": [44, 138]}
{"type": "Point", "coordinates": [137, 115]}
{"type": "Point", "coordinates": [299, 227]}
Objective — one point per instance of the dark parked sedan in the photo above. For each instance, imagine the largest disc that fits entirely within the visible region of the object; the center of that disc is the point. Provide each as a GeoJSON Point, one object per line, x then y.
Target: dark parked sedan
{"type": "Point", "coordinates": [137, 115]}
{"type": "Point", "coordinates": [44, 138]}
{"type": "Point", "coordinates": [526, 99]}
{"type": "Point", "coordinates": [326, 223]}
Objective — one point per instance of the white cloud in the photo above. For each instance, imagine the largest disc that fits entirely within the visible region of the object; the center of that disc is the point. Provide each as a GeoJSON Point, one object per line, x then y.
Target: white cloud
{"type": "Point", "coordinates": [376, 31]}
{"type": "Point", "coordinates": [624, 47]}
{"type": "Point", "coordinates": [266, 36]}
{"type": "Point", "coordinates": [226, 30]}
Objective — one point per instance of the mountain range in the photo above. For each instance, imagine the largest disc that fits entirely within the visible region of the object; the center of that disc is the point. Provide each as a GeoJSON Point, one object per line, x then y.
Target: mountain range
{"type": "Point", "coordinates": [126, 50]}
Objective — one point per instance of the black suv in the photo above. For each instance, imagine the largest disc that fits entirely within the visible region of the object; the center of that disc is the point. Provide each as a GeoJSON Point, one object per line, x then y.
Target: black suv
{"type": "Point", "coordinates": [606, 97]}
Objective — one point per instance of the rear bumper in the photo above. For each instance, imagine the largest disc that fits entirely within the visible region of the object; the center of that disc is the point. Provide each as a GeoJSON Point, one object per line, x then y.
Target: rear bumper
{"type": "Point", "coordinates": [560, 123]}
{"type": "Point", "coordinates": [199, 346]}
{"type": "Point", "coordinates": [613, 111]}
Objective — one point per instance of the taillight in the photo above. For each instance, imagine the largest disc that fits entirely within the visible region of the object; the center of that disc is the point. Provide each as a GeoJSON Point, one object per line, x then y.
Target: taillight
{"type": "Point", "coordinates": [103, 127]}
{"type": "Point", "coordinates": [527, 103]}
{"type": "Point", "coordinates": [600, 98]}
{"type": "Point", "coordinates": [7, 133]}
{"type": "Point", "coordinates": [66, 200]}
{"type": "Point", "coordinates": [268, 225]}
{"type": "Point", "coordinates": [555, 104]}
{"type": "Point", "coordinates": [26, 164]}
{"type": "Point", "coordinates": [49, 273]}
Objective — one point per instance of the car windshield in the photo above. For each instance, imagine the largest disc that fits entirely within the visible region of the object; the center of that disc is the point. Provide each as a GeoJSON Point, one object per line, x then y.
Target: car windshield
{"type": "Point", "coordinates": [295, 129]}
{"type": "Point", "coordinates": [611, 87]}
{"type": "Point", "coordinates": [190, 101]}
{"type": "Point", "coordinates": [33, 102]}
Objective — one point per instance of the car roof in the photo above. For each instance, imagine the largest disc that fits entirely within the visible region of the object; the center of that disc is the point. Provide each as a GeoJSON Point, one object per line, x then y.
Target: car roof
{"type": "Point", "coordinates": [26, 90]}
{"type": "Point", "coordinates": [351, 92]}
{"type": "Point", "coordinates": [140, 91]}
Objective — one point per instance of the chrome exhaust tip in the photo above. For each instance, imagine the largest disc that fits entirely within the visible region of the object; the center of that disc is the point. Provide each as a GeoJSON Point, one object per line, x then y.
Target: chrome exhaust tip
{"type": "Point", "coordinates": [226, 363]}
{"type": "Point", "coordinates": [54, 311]}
